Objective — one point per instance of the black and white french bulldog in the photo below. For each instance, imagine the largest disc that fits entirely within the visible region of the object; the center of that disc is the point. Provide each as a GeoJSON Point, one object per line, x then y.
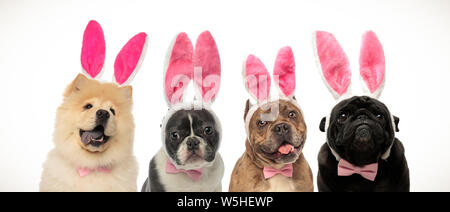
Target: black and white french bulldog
{"type": "Point", "coordinates": [191, 139]}
{"type": "Point", "coordinates": [191, 132]}
{"type": "Point", "coordinates": [361, 152]}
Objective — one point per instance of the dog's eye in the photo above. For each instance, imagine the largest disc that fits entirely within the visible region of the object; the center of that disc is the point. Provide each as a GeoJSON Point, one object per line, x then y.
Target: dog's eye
{"type": "Point", "coordinates": [261, 123]}
{"type": "Point", "coordinates": [342, 117]}
{"type": "Point", "coordinates": [208, 130]}
{"type": "Point", "coordinates": [87, 106]}
{"type": "Point", "coordinates": [174, 135]}
{"type": "Point", "coordinates": [292, 115]}
{"type": "Point", "coordinates": [112, 111]}
{"type": "Point", "coordinates": [380, 116]}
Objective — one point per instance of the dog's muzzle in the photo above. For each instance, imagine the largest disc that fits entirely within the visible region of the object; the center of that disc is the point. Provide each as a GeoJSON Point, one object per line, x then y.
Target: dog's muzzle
{"type": "Point", "coordinates": [363, 133]}
{"type": "Point", "coordinates": [96, 137]}
{"type": "Point", "coordinates": [192, 144]}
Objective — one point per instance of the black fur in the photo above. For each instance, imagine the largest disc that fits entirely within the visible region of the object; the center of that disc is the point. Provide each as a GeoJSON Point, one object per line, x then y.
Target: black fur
{"type": "Point", "coordinates": [155, 185]}
{"type": "Point", "coordinates": [361, 138]}
{"type": "Point", "coordinates": [392, 176]}
{"type": "Point", "coordinates": [322, 124]}
{"type": "Point", "coordinates": [179, 123]}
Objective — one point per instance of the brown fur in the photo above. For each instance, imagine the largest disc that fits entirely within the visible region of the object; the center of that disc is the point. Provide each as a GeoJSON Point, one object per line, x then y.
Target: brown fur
{"type": "Point", "coordinates": [248, 171]}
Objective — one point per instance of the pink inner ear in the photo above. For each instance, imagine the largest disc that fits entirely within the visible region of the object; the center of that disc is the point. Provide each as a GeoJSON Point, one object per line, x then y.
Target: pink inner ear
{"type": "Point", "coordinates": [334, 62]}
{"type": "Point", "coordinates": [180, 68]}
{"type": "Point", "coordinates": [371, 61]}
{"type": "Point", "coordinates": [93, 50]}
{"type": "Point", "coordinates": [257, 78]}
{"type": "Point", "coordinates": [206, 59]}
{"type": "Point", "coordinates": [128, 58]}
{"type": "Point", "coordinates": [285, 70]}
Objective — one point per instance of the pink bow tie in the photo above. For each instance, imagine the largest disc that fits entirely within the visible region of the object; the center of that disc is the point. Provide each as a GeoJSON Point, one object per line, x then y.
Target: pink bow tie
{"type": "Point", "coordinates": [369, 171]}
{"type": "Point", "coordinates": [269, 172]}
{"type": "Point", "coordinates": [85, 171]}
{"type": "Point", "coordinates": [194, 174]}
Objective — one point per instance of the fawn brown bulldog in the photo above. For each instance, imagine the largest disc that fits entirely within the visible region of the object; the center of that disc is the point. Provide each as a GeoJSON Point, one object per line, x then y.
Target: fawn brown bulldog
{"type": "Point", "coordinates": [273, 160]}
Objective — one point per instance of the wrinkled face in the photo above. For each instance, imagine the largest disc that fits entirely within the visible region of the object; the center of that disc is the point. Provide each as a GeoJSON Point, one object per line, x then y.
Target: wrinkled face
{"type": "Point", "coordinates": [360, 129]}
{"type": "Point", "coordinates": [192, 138]}
{"type": "Point", "coordinates": [277, 133]}
{"type": "Point", "coordinates": [95, 115]}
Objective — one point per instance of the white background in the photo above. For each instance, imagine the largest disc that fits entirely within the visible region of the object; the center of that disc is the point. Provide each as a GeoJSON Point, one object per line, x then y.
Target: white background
{"type": "Point", "coordinates": [40, 44]}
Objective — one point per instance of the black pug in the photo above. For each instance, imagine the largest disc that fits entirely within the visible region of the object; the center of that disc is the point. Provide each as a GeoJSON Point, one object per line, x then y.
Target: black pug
{"type": "Point", "coordinates": [361, 152]}
{"type": "Point", "coordinates": [361, 132]}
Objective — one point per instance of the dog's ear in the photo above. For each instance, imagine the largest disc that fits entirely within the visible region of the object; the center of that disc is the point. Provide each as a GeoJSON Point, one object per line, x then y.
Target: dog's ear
{"type": "Point", "coordinates": [396, 121]}
{"type": "Point", "coordinates": [76, 85]}
{"type": "Point", "coordinates": [322, 124]}
{"type": "Point", "coordinates": [247, 107]}
{"type": "Point", "coordinates": [127, 91]}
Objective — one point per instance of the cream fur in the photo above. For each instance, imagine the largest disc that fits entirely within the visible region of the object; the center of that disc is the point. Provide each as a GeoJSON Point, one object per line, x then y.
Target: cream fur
{"type": "Point", "coordinates": [280, 183]}
{"type": "Point", "coordinates": [60, 169]}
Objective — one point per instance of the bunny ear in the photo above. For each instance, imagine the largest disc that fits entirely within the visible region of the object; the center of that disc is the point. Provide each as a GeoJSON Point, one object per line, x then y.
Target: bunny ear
{"type": "Point", "coordinates": [179, 70]}
{"type": "Point", "coordinates": [334, 64]}
{"type": "Point", "coordinates": [93, 50]}
{"type": "Point", "coordinates": [284, 71]}
{"type": "Point", "coordinates": [129, 58]}
{"type": "Point", "coordinates": [372, 64]}
{"type": "Point", "coordinates": [257, 78]}
{"type": "Point", "coordinates": [207, 66]}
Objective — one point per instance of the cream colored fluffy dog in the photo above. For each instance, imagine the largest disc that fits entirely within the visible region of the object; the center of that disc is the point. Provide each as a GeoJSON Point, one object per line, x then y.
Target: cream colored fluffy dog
{"type": "Point", "coordinates": [94, 127]}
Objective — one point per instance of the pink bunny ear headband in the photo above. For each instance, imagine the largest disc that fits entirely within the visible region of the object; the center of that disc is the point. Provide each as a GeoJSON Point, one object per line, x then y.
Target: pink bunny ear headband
{"type": "Point", "coordinates": [126, 63]}
{"type": "Point", "coordinates": [257, 80]}
{"type": "Point", "coordinates": [335, 69]}
{"type": "Point", "coordinates": [185, 64]}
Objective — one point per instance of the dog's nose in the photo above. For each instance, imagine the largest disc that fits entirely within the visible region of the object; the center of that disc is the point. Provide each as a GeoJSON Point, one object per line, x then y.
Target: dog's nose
{"type": "Point", "coordinates": [192, 144]}
{"type": "Point", "coordinates": [102, 114]}
{"type": "Point", "coordinates": [281, 129]}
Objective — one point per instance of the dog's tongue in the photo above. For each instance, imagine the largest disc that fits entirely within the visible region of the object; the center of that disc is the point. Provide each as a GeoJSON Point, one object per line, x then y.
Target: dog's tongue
{"type": "Point", "coordinates": [87, 136]}
{"type": "Point", "coordinates": [285, 149]}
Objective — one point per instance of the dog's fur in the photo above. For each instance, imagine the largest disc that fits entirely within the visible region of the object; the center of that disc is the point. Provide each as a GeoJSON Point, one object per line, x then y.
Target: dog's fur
{"type": "Point", "coordinates": [262, 144]}
{"type": "Point", "coordinates": [160, 181]}
{"type": "Point", "coordinates": [188, 125]}
{"type": "Point", "coordinates": [70, 153]}
{"type": "Point", "coordinates": [365, 134]}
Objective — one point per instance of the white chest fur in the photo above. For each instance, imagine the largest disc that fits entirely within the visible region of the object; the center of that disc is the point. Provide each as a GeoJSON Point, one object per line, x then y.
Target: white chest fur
{"type": "Point", "coordinates": [211, 179]}
{"type": "Point", "coordinates": [280, 183]}
{"type": "Point", "coordinates": [60, 175]}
